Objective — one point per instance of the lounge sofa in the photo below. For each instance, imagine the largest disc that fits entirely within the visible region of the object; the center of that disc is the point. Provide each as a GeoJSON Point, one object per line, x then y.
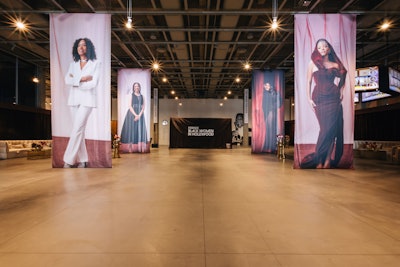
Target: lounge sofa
{"type": "Point", "coordinates": [383, 150]}
{"type": "Point", "coordinates": [19, 148]}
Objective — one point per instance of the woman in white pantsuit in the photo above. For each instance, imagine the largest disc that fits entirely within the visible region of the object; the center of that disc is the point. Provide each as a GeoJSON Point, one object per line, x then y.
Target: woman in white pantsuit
{"type": "Point", "coordinates": [82, 76]}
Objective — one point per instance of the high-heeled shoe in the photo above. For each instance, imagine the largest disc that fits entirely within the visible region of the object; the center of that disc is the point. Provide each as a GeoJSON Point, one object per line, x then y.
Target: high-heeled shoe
{"type": "Point", "coordinates": [82, 165]}
{"type": "Point", "coordinates": [66, 165]}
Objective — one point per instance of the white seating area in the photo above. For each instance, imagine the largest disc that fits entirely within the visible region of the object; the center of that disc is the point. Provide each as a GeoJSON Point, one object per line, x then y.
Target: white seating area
{"type": "Point", "coordinates": [19, 148]}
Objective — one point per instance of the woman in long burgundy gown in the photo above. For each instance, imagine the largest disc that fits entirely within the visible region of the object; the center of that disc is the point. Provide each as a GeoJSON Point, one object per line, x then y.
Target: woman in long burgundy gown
{"type": "Point", "coordinates": [329, 75]}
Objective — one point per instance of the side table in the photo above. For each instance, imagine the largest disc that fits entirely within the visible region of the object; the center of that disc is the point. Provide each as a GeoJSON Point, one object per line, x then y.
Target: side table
{"type": "Point", "coordinates": [39, 154]}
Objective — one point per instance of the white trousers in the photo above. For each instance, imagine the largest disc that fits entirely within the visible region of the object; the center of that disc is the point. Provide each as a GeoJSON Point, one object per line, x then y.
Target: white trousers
{"type": "Point", "coordinates": [76, 149]}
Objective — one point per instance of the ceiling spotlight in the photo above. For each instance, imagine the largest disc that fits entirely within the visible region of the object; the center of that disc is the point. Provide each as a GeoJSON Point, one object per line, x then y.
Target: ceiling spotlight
{"type": "Point", "coordinates": [35, 80]}
{"type": "Point", "coordinates": [229, 92]}
{"type": "Point", "coordinates": [237, 79]}
{"type": "Point", "coordinates": [155, 66]}
{"type": "Point", "coordinates": [172, 92]}
{"type": "Point", "coordinates": [20, 25]}
{"type": "Point", "coordinates": [385, 25]}
{"type": "Point", "coordinates": [164, 79]}
{"type": "Point", "coordinates": [247, 66]}
{"type": "Point", "coordinates": [128, 24]}
{"type": "Point", "coordinates": [274, 24]}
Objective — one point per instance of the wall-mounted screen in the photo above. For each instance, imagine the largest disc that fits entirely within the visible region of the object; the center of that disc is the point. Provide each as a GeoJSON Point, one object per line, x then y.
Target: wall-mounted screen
{"type": "Point", "coordinates": [356, 98]}
{"type": "Point", "coordinates": [367, 78]}
{"type": "Point", "coordinates": [394, 80]}
{"type": "Point", "coordinates": [373, 95]}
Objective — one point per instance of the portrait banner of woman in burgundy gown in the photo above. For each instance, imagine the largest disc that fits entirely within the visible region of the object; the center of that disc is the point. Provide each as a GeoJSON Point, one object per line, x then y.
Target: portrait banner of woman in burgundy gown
{"type": "Point", "coordinates": [325, 52]}
{"type": "Point", "coordinates": [267, 110]}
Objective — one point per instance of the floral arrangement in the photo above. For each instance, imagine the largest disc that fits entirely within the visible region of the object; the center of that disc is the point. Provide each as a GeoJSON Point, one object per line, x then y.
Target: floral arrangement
{"type": "Point", "coordinates": [116, 141]}
{"type": "Point", "coordinates": [115, 145]}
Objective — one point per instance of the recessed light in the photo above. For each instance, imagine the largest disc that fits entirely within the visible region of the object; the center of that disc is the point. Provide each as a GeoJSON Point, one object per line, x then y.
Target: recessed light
{"type": "Point", "coordinates": [385, 26]}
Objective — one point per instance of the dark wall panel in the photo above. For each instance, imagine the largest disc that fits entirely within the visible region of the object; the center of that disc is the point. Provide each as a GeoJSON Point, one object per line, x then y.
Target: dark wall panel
{"type": "Point", "coordinates": [380, 125]}
{"type": "Point", "coordinates": [18, 123]}
{"type": "Point", "coordinates": [200, 132]}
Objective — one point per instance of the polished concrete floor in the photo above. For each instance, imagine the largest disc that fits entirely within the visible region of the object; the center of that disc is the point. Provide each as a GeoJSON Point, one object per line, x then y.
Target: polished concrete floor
{"type": "Point", "coordinates": [204, 207]}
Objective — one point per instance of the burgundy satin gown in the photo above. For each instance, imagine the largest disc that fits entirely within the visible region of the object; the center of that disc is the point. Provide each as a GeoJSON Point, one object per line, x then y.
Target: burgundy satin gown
{"type": "Point", "coordinates": [329, 112]}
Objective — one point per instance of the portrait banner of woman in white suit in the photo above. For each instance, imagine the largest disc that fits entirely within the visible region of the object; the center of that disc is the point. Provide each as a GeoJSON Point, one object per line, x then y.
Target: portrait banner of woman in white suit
{"type": "Point", "coordinates": [80, 68]}
{"type": "Point", "coordinates": [325, 56]}
{"type": "Point", "coordinates": [134, 98]}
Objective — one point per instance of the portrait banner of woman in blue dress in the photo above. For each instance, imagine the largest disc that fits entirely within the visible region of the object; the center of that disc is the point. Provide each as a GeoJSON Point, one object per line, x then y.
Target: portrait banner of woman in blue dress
{"type": "Point", "coordinates": [325, 56]}
{"type": "Point", "coordinates": [267, 110]}
{"type": "Point", "coordinates": [80, 68]}
{"type": "Point", "coordinates": [134, 98]}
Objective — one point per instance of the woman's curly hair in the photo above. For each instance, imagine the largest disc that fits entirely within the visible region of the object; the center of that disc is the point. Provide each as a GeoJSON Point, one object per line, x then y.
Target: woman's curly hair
{"type": "Point", "coordinates": [90, 50]}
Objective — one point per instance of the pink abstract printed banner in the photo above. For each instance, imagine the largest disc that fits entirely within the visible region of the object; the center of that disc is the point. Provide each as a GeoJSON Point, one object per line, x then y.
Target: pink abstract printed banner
{"type": "Point", "coordinates": [268, 94]}
{"type": "Point", "coordinates": [134, 99]}
{"type": "Point", "coordinates": [80, 67]}
{"type": "Point", "coordinates": [325, 55]}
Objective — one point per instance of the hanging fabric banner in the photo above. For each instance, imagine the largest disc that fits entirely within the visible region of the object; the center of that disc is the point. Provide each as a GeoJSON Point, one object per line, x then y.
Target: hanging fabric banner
{"type": "Point", "coordinates": [246, 105]}
{"type": "Point", "coordinates": [268, 92]}
{"type": "Point", "coordinates": [155, 105]}
{"type": "Point", "coordinates": [325, 53]}
{"type": "Point", "coordinates": [80, 68]}
{"type": "Point", "coordinates": [134, 104]}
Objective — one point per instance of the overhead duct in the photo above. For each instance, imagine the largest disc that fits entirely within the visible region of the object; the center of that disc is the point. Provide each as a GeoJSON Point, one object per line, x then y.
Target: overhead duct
{"type": "Point", "coordinates": [176, 21]}
{"type": "Point", "coordinates": [222, 50]}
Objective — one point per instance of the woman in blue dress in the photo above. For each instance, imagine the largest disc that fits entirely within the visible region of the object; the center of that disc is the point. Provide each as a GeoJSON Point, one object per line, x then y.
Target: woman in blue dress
{"type": "Point", "coordinates": [134, 130]}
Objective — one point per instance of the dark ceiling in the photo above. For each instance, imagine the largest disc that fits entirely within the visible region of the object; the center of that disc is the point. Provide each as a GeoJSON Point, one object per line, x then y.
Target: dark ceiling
{"type": "Point", "coordinates": [202, 44]}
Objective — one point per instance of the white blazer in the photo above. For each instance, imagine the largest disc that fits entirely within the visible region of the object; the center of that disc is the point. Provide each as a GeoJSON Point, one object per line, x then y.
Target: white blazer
{"type": "Point", "coordinates": [82, 93]}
